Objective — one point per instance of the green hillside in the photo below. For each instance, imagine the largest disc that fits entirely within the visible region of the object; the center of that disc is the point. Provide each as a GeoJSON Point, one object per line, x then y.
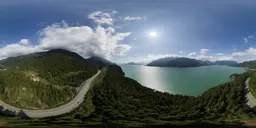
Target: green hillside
{"type": "Point", "coordinates": [44, 80]}
{"type": "Point", "coordinates": [20, 90]}
{"type": "Point", "coordinates": [121, 100]}
{"type": "Point", "coordinates": [58, 66]}
{"type": "Point", "coordinates": [248, 64]}
{"type": "Point", "coordinates": [114, 98]}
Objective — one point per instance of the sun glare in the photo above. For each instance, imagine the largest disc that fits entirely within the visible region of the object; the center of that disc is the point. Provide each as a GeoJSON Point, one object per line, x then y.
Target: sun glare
{"type": "Point", "coordinates": [152, 34]}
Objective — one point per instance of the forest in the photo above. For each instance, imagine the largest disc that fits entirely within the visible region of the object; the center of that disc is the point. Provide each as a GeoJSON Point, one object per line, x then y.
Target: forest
{"type": "Point", "coordinates": [121, 100]}
{"type": "Point", "coordinates": [44, 80]}
{"type": "Point", "coordinates": [114, 99]}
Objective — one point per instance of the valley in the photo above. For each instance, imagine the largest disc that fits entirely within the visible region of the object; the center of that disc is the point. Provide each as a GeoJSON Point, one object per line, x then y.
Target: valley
{"type": "Point", "coordinates": [116, 99]}
{"type": "Point", "coordinates": [127, 63]}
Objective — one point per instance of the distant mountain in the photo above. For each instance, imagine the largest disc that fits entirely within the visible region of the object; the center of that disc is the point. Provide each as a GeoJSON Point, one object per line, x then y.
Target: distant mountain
{"type": "Point", "coordinates": [100, 60]}
{"type": "Point", "coordinates": [187, 62]}
{"type": "Point", "coordinates": [133, 63]}
{"type": "Point", "coordinates": [47, 79]}
{"type": "Point", "coordinates": [177, 62]}
{"type": "Point", "coordinates": [225, 62]}
{"type": "Point", "coordinates": [248, 64]}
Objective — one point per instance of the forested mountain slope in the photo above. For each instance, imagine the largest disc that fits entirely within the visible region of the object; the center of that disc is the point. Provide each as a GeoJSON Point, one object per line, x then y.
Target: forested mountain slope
{"type": "Point", "coordinates": [248, 64]}
{"type": "Point", "coordinates": [45, 79]}
{"type": "Point", "coordinates": [187, 62]}
{"type": "Point", "coordinates": [121, 100]}
{"type": "Point", "coordinates": [116, 99]}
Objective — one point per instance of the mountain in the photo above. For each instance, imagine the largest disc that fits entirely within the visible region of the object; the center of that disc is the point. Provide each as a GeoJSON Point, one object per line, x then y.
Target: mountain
{"type": "Point", "coordinates": [44, 79]}
{"type": "Point", "coordinates": [177, 62]}
{"type": "Point", "coordinates": [247, 64]}
{"type": "Point", "coordinates": [121, 100]}
{"type": "Point", "coordinates": [100, 60]}
{"type": "Point", "coordinates": [133, 63]}
{"type": "Point", "coordinates": [225, 62]}
{"type": "Point", "coordinates": [187, 62]}
{"type": "Point", "coordinates": [114, 99]}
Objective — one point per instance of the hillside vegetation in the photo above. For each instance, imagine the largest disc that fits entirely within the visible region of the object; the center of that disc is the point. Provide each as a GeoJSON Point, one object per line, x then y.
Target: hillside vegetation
{"type": "Point", "coordinates": [44, 80]}
{"type": "Point", "coordinates": [248, 64]}
{"type": "Point", "coordinates": [252, 85]}
{"type": "Point", "coordinates": [114, 98]}
{"type": "Point", "coordinates": [121, 100]}
{"type": "Point", "coordinates": [20, 90]}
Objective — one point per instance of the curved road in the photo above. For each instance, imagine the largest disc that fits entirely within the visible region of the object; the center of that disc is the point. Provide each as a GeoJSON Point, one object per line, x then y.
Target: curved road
{"type": "Point", "coordinates": [251, 100]}
{"type": "Point", "coordinates": [58, 110]}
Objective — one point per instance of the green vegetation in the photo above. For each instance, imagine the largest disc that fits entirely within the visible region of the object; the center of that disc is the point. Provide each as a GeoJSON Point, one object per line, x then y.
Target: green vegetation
{"type": "Point", "coordinates": [44, 80]}
{"type": "Point", "coordinates": [121, 98]}
{"type": "Point", "coordinates": [117, 100]}
{"type": "Point", "coordinates": [248, 64]}
{"type": "Point", "coordinates": [252, 84]}
{"type": "Point", "coordinates": [58, 66]}
{"type": "Point", "coordinates": [20, 90]}
{"type": "Point", "coordinates": [48, 79]}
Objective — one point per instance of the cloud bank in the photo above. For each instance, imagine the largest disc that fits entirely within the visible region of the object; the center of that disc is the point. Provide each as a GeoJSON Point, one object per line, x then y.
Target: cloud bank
{"type": "Point", "coordinates": [249, 51]}
{"type": "Point", "coordinates": [86, 41]}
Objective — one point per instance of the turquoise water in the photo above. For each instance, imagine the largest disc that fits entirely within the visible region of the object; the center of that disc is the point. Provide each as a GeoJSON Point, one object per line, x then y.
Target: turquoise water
{"type": "Point", "coordinates": [187, 81]}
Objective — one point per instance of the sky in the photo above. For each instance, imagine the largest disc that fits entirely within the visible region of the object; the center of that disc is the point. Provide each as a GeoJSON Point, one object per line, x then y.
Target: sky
{"type": "Point", "coordinates": [131, 30]}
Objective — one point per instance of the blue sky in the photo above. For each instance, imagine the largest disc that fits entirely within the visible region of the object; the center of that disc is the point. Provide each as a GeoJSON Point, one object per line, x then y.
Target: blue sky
{"type": "Point", "coordinates": [119, 29]}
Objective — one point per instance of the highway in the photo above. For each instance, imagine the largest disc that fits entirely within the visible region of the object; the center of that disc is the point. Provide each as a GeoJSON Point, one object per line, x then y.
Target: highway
{"type": "Point", "coordinates": [71, 105]}
{"type": "Point", "coordinates": [251, 100]}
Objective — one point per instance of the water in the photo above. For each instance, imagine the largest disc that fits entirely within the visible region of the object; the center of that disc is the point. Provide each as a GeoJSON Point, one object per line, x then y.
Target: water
{"type": "Point", "coordinates": [187, 81]}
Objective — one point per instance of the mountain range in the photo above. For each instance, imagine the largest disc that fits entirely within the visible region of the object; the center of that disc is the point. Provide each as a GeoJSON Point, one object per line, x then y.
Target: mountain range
{"type": "Point", "coordinates": [247, 64]}
{"type": "Point", "coordinates": [133, 63]}
{"type": "Point", "coordinates": [113, 99]}
{"type": "Point", "coordinates": [187, 62]}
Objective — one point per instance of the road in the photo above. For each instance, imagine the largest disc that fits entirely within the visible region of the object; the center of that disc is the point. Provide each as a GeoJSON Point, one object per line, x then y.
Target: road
{"type": "Point", "coordinates": [251, 100]}
{"type": "Point", "coordinates": [74, 103]}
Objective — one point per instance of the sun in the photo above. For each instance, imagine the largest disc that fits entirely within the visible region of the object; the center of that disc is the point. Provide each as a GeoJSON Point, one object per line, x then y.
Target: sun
{"type": "Point", "coordinates": [152, 34]}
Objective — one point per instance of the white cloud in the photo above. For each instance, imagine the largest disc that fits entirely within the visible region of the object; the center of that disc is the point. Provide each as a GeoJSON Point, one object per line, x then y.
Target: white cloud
{"type": "Point", "coordinates": [24, 42]}
{"type": "Point", "coordinates": [248, 54]}
{"type": "Point", "coordinates": [246, 39]}
{"type": "Point", "coordinates": [213, 58]}
{"type": "Point", "coordinates": [191, 54]}
{"type": "Point", "coordinates": [134, 18]}
{"type": "Point", "coordinates": [102, 17]}
{"type": "Point", "coordinates": [16, 49]}
{"type": "Point", "coordinates": [87, 41]}
{"type": "Point", "coordinates": [84, 40]}
{"type": "Point", "coordinates": [238, 54]}
{"type": "Point", "coordinates": [204, 51]}
{"type": "Point", "coordinates": [251, 51]}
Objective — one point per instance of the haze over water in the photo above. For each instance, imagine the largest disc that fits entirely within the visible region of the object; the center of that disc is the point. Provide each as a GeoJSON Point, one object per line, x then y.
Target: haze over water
{"type": "Point", "coordinates": [186, 81]}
